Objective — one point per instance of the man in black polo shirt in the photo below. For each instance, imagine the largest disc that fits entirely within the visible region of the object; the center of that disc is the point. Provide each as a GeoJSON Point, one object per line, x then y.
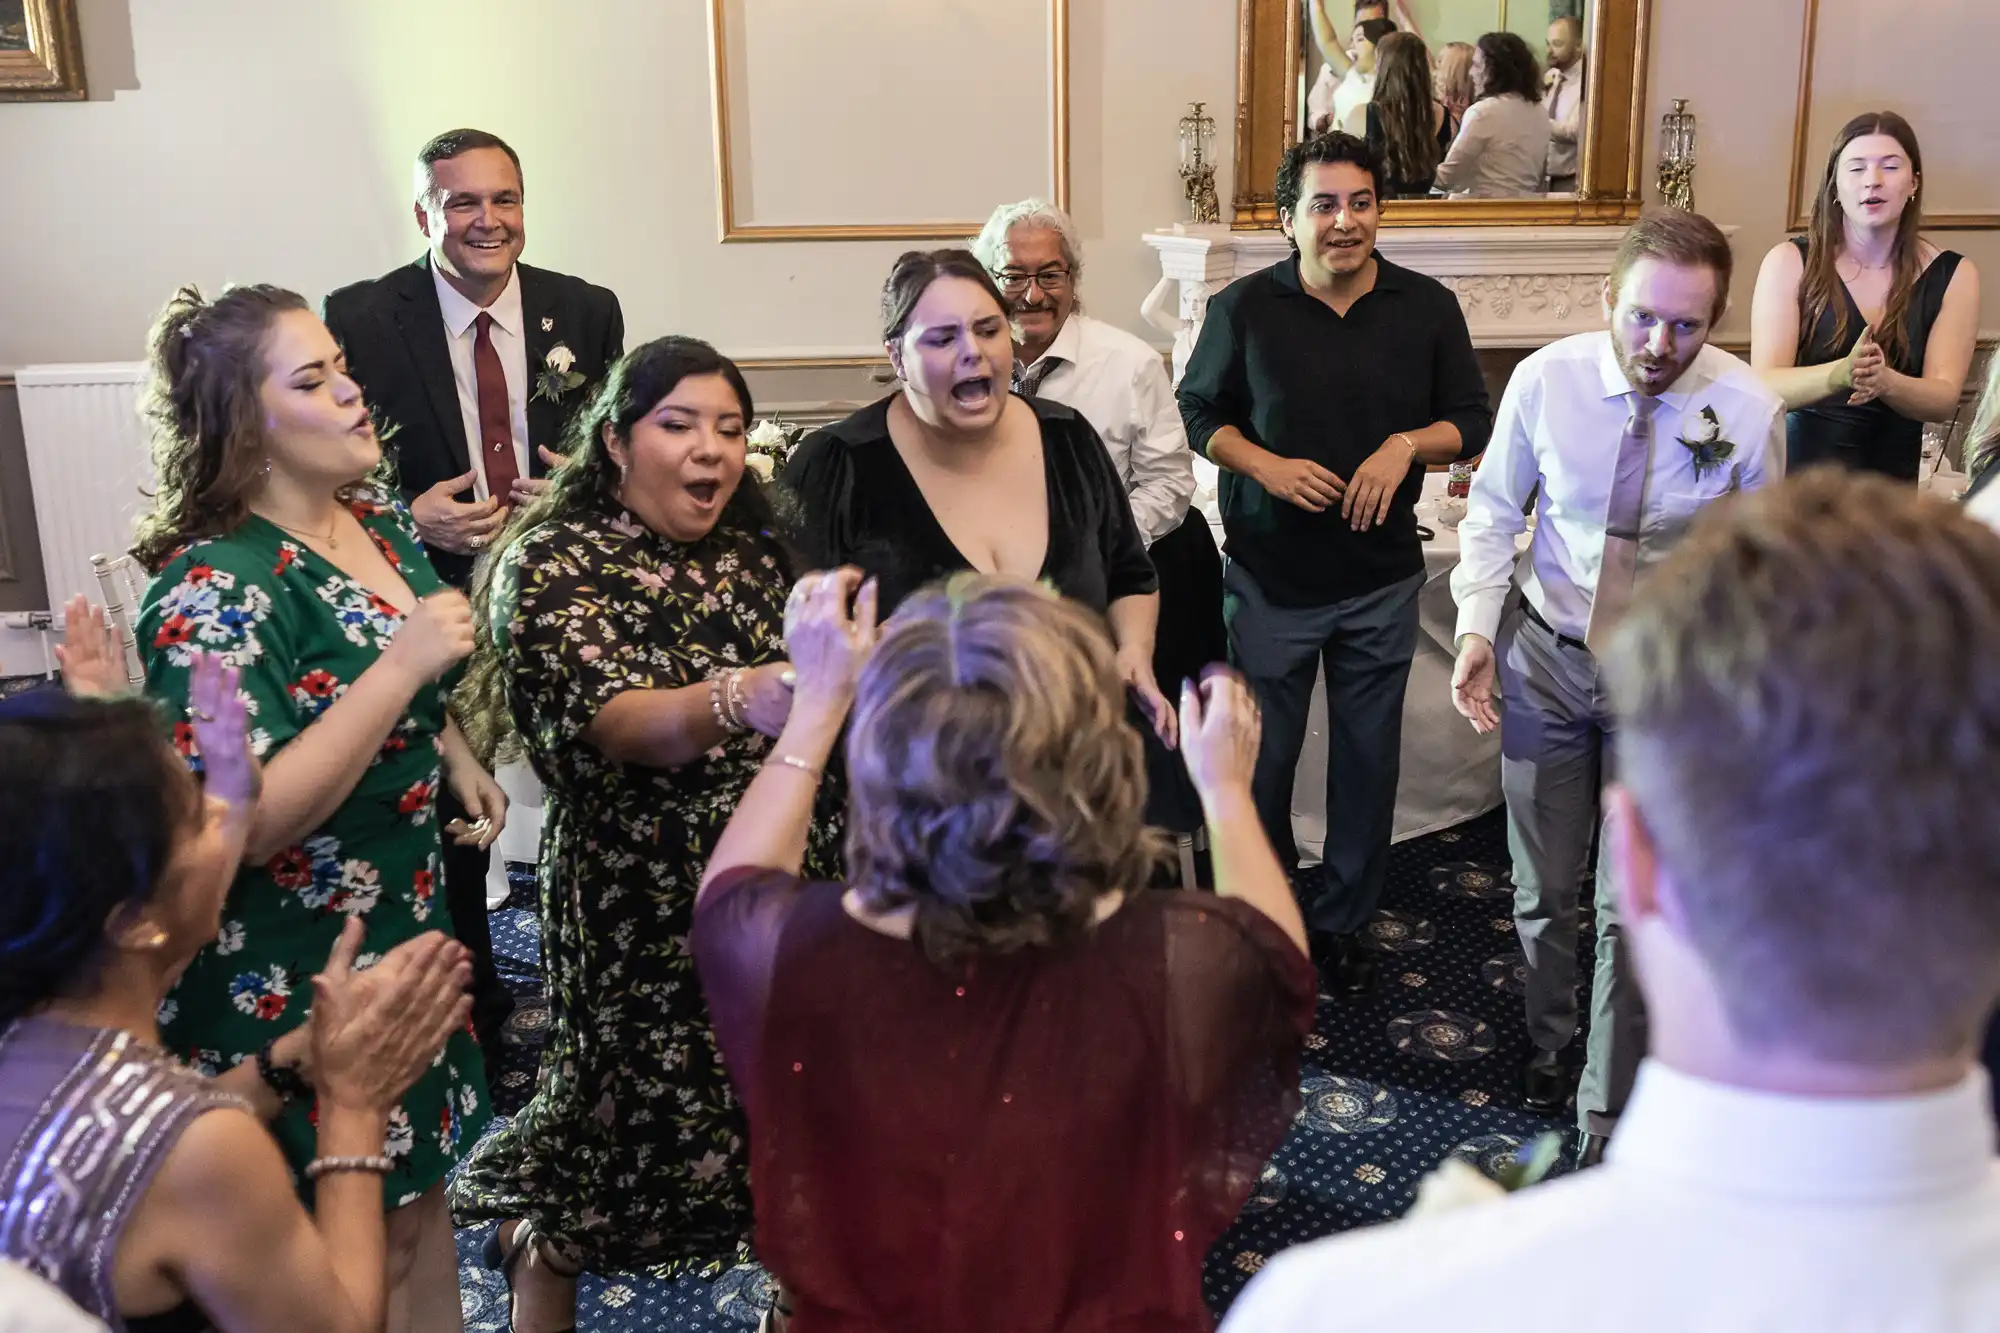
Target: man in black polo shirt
{"type": "Point", "coordinates": [1321, 387]}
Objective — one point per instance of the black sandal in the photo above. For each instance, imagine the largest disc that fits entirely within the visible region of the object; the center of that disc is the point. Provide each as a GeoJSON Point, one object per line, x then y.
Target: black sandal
{"type": "Point", "coordinates": [502, 1258]}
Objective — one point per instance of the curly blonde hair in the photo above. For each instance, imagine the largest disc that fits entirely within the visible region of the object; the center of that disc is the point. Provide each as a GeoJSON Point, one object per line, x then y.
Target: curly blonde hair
{"type": "Point", "coordinates": [994, 782]}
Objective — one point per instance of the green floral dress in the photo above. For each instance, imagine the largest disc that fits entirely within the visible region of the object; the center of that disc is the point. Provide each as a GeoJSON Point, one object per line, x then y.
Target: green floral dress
{"type": "Point", "coordinates": [631, 1153]}
{"type": "Point", "coordinates": [300, 632]}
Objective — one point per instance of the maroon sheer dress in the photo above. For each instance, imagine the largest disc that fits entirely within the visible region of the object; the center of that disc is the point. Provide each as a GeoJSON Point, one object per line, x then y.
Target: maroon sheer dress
{"type": "Point", "coordinates": [1044, 1141]}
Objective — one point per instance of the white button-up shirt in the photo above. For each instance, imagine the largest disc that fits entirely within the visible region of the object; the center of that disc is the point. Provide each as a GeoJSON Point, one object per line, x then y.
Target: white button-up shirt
{"type": "Point", "coordinates": [1564, 99]}
{"type": "Point", "coordinates": [1558, 428]}
{"type": "Point", "coordinates": [1120, 386]}
{"type": "Point", "coordinates": [1717, 1209]}
{"type": "Point", "coordinates": [1501, 152]}
{"type": "Point", "coordinates": [510, 341]}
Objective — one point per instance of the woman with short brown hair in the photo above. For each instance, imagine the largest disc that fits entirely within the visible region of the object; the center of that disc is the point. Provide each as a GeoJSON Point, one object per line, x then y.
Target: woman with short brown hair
{"type": "Point", "coordinates": [993, 1082]}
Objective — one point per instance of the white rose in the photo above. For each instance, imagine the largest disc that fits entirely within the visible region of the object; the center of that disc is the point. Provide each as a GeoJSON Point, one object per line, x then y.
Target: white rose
{"type": "Point", "coordinates": [1455, 1184]}
{"type": "Point", "coordinates": [1707, 429]}
{"type": "Point", "coordinates": [767, 434]}
{"type": "Point", "coordinates": [761, 464]}
{"type": "Point", "coordinates": [560, 359]}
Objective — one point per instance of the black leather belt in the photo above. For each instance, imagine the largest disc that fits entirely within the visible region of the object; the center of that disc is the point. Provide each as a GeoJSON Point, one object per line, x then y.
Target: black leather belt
{"type": "Point", "coordinates": [1566, 640]}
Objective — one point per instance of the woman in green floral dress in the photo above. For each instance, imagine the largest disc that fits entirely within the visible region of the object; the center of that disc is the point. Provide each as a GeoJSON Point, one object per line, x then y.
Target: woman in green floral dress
{"type": "Point", "coordinates": [271, 550]}
{"type": "Point", "coordinates": [632, 627]}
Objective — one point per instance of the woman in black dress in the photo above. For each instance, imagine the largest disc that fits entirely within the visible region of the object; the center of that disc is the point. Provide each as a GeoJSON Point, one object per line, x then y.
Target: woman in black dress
{"type": "Point", "coordinates": [952, 472]}
{"type": "Point", "coordinates": [1865, 329]}
{"type": "Point", "coordinates": [1407, 124]}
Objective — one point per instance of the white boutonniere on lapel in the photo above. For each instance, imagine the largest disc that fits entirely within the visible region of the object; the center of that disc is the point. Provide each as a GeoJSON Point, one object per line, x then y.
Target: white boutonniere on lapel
{"type": "Point", "coordinates": [559, 374]}
{"type": "Point", "coordinates": [1704, 440]}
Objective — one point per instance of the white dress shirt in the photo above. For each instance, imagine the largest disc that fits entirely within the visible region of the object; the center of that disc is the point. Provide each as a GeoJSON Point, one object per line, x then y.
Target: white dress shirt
{"type": "Point", "coordinates": [1501, 152]}
{"type": "Point", "coordinates": [30, 1305]}
{"type": "Point", "coordinates": [1350, 102]}
{"type": "Point", "coordinates": [510, 340]}
{"type": "Point", "coordinates": [1558, 428]}
{"type": "Point", "coordinates": [1120, 386]}
{"type": "Point", "coordinates": [1563, 96]}
{"type": "Point", "coordinates": [1717, 1209]}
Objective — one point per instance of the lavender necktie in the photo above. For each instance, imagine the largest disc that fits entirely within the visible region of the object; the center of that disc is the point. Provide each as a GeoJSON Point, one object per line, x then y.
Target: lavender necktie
{"type": "Point", "coordinates": [1622, 518]}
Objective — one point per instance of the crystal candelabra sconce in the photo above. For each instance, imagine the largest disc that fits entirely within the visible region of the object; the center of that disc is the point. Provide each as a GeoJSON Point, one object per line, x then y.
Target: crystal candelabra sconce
{"type": "Point", "coordinates": [1676, 176]}
{"type": "Point", "coordinates": [1198, 164]}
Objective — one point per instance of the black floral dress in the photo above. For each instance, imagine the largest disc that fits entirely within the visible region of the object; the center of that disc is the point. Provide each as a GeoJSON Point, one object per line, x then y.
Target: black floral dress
{"type": "Point", "coordinates": [299, 632]}
{"type": "Point", "coordinates": [631, 1153]}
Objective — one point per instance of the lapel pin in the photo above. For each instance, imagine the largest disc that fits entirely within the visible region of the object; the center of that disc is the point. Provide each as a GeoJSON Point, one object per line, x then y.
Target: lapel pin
{"type": "Point", "coordinates": [547, 324]}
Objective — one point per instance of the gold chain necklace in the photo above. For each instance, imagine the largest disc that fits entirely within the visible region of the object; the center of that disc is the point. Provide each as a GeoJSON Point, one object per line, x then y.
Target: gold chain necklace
{"type": "Point", "coordinates": [332, 541]}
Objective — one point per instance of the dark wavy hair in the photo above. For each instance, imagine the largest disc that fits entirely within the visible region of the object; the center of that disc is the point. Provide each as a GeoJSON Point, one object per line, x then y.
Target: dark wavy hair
{"type": "Point", "coordinates": [1511, 67]}
{"type": "Point", "coordinates": [1332, 146]}
{"type": "Point", "coordinates": [205, 363]}
{"type": "Point", "coordinates": [92, 805]}
{"type": "Point", "coordinates": [1826, 236]}
{"type": "Point", "coordinates": [1406, 106]}
{"type": "Point", "coordinates": [993, 781]}
{"type": "Point", "coordinates": [589, 482]}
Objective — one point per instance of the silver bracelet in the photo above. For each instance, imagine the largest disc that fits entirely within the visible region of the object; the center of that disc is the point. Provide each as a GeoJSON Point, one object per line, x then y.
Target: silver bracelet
{"type": "Point", "coordinates": [324, 1166]}
{"type": "Point", "coordinates": [724, 718]}
{"type": "Point", "coordinates": [737, 720]}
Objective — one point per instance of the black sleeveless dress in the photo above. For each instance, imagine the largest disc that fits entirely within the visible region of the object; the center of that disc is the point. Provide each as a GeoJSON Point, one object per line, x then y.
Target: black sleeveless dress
{"type": "Point", "coordinates": [1873, 437]}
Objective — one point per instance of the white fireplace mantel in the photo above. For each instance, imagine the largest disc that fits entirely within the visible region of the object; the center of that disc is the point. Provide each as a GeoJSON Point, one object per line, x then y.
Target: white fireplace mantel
{"type": "Point", "coordinates": [1519, 286]}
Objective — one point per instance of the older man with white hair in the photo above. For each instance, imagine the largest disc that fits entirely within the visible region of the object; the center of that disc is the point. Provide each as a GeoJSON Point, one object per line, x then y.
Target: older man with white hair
{"type": "Point", "coordinates": [1120, 386]}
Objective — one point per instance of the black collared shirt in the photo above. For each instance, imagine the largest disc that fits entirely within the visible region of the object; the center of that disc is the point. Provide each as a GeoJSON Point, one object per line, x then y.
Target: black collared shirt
{"type": "Point", "coordinates": [1278, 364]}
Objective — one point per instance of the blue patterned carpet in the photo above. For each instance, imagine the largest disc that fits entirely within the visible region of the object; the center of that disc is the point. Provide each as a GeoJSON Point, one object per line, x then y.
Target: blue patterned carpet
{"type": "Point", "coordinates": [1424, 1068]}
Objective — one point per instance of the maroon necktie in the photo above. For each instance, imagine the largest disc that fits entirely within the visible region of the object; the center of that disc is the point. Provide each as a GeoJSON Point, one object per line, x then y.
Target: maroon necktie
{"type": "Point", "coordinates": [496, 423]}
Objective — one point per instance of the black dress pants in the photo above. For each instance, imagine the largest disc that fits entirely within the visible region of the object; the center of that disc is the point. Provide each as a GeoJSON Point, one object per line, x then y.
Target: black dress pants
{"type": "Point", "coordinates": [465, 870]}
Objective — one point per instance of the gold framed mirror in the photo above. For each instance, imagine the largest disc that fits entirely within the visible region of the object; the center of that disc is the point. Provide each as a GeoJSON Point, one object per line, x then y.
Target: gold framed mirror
{"type": "Point", "coordinates": [1286, 50]}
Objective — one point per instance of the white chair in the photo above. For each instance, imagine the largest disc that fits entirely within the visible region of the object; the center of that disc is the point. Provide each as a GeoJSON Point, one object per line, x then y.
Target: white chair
{"type": "Point", "coordinates": [122, 585]}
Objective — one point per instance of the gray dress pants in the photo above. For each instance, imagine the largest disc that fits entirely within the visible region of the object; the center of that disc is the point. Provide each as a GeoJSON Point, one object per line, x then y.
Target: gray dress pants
{"type": "Point", "coordinates": [1555, 756]}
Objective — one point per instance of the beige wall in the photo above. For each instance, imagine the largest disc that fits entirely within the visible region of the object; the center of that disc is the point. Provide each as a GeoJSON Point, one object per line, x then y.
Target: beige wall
{"type": "Point", "coordinates": [246, 140]}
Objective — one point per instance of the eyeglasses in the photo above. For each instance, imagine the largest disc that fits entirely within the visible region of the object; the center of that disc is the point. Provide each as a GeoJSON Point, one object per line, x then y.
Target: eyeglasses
{"type": "Point", "coordinates": [1052, 281]}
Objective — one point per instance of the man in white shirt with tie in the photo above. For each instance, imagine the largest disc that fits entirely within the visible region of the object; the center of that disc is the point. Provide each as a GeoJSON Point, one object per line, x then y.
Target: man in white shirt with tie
{"type": "Point", "coordinates": [1563, 89]}
{"type": "Point", "coordinates": [1805, 851]}
{"type": "Point", "coordinates": [1621, 437]}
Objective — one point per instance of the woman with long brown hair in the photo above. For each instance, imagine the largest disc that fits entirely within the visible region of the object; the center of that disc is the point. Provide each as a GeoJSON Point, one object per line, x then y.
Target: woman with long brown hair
{"type": "Point", "coordinates": [632, 629]}
{"type": "Point", "coordinates": [1863, 327]}
{"type": "Point", "coordinates": [1407, 124]}
{"type": "Point", "coordinates": [274, 545]}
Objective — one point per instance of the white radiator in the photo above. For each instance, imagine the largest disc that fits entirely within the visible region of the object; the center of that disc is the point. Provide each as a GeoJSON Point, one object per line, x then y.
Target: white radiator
{"type": "Point", "coordinates": [89, 456]}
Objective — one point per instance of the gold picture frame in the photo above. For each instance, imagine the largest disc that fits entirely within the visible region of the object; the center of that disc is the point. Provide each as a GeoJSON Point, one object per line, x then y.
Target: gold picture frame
{"type": "Point", "coordinates": [1798, 203]}
{"type": "Point", "coordinates": [1268, 58]}
{"type": "Point", "coordinates": [732, 230]}
{"type": "Point", "coordinates": [41, 54]}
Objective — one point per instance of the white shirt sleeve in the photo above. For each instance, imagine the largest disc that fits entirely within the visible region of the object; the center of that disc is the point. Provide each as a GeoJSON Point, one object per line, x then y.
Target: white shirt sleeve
{"type": "Point", "coordinates": [1162, 465]}
{"type": "Point", "coordinates": [1494, 514]}
{"type": "Point", "coordinates": [1460, 168]}
{"type": "Point", "coordinates": [1766, 464]}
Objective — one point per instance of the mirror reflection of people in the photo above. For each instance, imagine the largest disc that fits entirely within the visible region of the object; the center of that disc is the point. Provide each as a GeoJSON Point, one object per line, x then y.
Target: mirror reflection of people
{"type": "Point", "coordinates": [1406, 123]}
{"type": "Point", "coordinates": [1454, 81]}
{"type": "Point", "coordinates": [1350, 100]}
{"type": "Point", "coordinates": [1335, 45]}
{"type": "Point", "coordinates": [1502, 148]}
{"type": "Point", "coordinates": [1563, 92]}
{"type": "Point", "coordinates": [1322, 387]}
{"type": "Point", "coordinates": [1862, 326]}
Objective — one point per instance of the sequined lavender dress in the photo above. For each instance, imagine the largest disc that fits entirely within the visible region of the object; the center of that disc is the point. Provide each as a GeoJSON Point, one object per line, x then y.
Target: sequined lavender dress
{"type": "Point", "coordinates": [87, 1115]}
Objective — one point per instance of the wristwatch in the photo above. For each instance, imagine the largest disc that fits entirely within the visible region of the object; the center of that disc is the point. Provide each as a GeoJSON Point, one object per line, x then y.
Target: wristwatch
{"type": "Point", "coordinates": [281, 1079]}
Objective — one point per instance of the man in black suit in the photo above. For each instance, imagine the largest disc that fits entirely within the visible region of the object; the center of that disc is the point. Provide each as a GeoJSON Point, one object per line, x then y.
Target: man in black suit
{"type": "Point", "coordinates": [470, 345]}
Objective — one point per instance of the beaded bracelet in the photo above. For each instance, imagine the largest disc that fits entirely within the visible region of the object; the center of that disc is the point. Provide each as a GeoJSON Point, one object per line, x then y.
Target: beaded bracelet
{"type": "Point", "coordinates": [724, 717]}
{"type": "Point", "coordinates": [281, 1079]}
{"type": "Point", "coordinates": [793, 761]}
{"type": "Point", "coordinates": [323, 1166]}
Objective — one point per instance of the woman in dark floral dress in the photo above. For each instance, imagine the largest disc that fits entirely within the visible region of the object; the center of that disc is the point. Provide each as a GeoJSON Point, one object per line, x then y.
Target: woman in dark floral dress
{"type": "Point", "coordinates": [632, 626]}
{"type": "Point", "coordinates": [271, 549]}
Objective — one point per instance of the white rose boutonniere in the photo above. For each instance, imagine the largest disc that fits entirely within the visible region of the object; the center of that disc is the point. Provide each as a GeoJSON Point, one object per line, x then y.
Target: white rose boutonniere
{"type": "Point", "coordinates": [559, 374]}
{"type": "Point", "coordinates": [1458, 1183]}
{"type": "Point", "coordinates": [769, 444]}
{"type": "Point", "coordinates": [1704, 440]}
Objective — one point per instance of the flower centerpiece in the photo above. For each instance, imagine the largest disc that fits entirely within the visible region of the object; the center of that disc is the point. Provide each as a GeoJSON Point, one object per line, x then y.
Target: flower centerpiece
{"type": "Point", "coordinates": [770, 443]}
